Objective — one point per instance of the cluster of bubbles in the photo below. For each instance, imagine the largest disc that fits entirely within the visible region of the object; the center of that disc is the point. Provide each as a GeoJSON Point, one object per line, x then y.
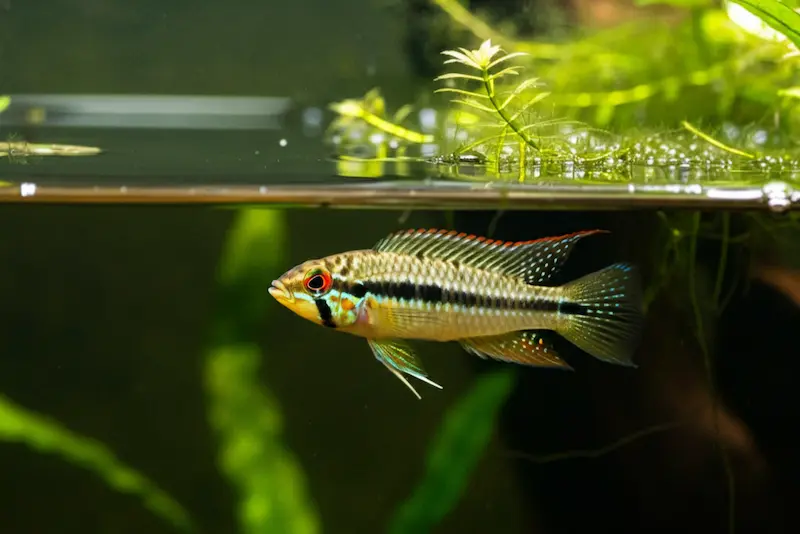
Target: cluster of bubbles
{"type": "Point", "coordinates": [571, 150]}
{"type": "Point", "coordinates": [670, 156]}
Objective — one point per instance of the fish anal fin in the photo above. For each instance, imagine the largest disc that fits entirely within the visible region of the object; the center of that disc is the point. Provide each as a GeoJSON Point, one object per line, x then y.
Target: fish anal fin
{"type": "Point", "coordinates": [398, 357]}
{"type": "Point", "coordinates": [524, 348]}
{"type": "Point", "coordinates": [534, 261]}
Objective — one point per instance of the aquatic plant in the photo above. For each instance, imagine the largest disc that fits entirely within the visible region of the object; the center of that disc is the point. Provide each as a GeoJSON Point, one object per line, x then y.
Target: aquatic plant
{"type": "Point", "coordinates": [599, 108]}
{"type": "Point", "coordinates": [18, 151]}
{"type": "Point", "coordinates": [19, 425]}
{"type": "Point", "coordinates": [244, 414]}
{"type": "Point", "coordinates": [453, 454]}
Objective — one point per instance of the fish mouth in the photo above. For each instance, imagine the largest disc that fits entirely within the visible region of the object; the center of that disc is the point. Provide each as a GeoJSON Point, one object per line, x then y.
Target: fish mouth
{"type": "Point", "coordinates": [279, 292]}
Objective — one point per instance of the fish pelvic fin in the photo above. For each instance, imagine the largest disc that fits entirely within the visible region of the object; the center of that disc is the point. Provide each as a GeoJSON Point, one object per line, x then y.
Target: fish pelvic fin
{"type": "Point", "coordinates": [398, 357]}
{"type": "Point", "coordinates": [604, 314]}
{"type": "Point", "coordinates": [525, 348]}
{"type": "Point", "coordinates": [534, 261]}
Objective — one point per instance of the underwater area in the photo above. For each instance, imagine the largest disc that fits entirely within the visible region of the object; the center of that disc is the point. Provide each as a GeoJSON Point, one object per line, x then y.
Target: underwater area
{"type": "Point", "coordinates": [161, 163]}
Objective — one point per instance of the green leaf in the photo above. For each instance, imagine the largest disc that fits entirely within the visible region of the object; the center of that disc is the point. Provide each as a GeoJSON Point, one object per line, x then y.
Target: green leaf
{"type": "Point", "coordinates": [462, 92]}
{"type": "Point", "coordinates": [508, 71]}
{"type": "Point", "coordinates": [5, 101]}
{"type": "Point", "coordinates": [519, 89]}
{"type": "Point", "coordinates": [475, 105]}
{"type": "Point", "coordinates": [499, 60]}
{"type": "Point", "coordinates": [454, 454]}
{"type": "Point", "coordinates": [530, 103]}
{"type": "Point", "coordinates": [244, 414]}
{"type": "Point", "coordinates": [18, 425]}
{"type": "Point", "coordinates": [458, 75]}
{"type": "Point", "coordinates": [778, 16]}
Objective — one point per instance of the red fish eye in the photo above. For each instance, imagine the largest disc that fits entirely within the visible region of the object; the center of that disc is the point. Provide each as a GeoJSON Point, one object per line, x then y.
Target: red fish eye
{"type": "Point", "coordinates": [317, 281]}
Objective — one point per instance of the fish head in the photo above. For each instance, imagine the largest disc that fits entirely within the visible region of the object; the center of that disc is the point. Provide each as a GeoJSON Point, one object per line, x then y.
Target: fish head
{"type": "Point", "coordinates": [313, 291]}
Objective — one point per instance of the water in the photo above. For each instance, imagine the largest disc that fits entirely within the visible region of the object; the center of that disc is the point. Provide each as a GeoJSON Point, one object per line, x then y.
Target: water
{"type": "Point", "coordinates": [148, 382]}
{"type": "Point", "coordinates": [288, 166]}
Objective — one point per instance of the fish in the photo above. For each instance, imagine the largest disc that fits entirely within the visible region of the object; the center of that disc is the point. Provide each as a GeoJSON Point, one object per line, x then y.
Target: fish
{"type": "Point", "coordinates": [491, 296]}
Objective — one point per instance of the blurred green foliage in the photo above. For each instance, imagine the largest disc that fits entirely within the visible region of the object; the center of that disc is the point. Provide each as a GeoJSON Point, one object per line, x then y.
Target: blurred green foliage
{"type": "Point", "coordinates": [18, 425]}
{"type": "Point", "coordinates": [246, 418]}
{"type": "Point", "coordinates": [608, 103]}
{"type": "Point", "coordinates": [453, 454]}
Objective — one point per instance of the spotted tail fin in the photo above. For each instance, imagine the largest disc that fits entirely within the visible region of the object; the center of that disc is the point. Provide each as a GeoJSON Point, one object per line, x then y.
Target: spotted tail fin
{"type": "Point", "coordinates": [604, 311]}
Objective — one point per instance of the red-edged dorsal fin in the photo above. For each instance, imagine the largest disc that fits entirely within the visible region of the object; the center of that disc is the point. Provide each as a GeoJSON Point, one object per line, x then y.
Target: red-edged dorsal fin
{"type": "Point", "coordinates": [534, 261]}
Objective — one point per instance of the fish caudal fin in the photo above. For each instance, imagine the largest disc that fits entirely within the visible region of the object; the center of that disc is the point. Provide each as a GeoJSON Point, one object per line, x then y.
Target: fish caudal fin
{"type": "Point", "coordinates": [525, 348]}
{"type": "Point", "coordinates": [399, 359]}
{"type": "Point", "coordinates": [604, 311]}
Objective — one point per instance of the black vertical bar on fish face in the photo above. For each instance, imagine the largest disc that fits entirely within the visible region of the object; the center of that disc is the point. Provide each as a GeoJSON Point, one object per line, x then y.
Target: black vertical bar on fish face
{"type": "Point", "coordinates": [325, 314]}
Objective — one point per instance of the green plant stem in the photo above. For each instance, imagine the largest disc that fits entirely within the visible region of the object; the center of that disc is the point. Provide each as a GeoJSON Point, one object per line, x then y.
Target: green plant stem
{"type": "Point", "coordinates": [488, 84]}
{"type": "Point", "coordinates": [723, 259]}
{"type": "Point", "coordinates": [701, 338]}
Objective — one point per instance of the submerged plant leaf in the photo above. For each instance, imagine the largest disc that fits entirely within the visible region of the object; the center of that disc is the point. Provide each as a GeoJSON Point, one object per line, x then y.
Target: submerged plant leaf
{"type": "Point", "coordinates": [19, 425]}
{"type": "Point", "coordinates": [453, 455]}
{"type": "Point", "coordinates": [5, 101]}
{"type": "Point", "coordinates": [247, 419]}
{"type": "Point", "coordinates": [245, 416]}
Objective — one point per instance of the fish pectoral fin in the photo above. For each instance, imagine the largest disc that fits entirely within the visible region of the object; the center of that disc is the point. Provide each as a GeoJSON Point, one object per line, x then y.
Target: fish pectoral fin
{"type": "Point", "coordinates": [525, 348]}
{"type": "Point", "coordinates": [398, 357]}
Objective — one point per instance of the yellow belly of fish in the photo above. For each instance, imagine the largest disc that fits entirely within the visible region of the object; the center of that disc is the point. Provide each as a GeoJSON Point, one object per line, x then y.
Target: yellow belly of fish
{"type": "Point", "coordinates": [447, 322]}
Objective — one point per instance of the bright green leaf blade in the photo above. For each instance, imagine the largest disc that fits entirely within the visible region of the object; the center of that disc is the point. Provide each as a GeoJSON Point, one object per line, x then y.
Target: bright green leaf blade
{"type": "Point", "coordinates": [19, 425]}
{"type": "Point", "coordinates": [507, 57]}
{"type": "Point", "coordinates": [529, 104]}
{"type": "Point", "coordinates": [458, 75]}
{"type": "Point", "coordinates": [778, 16]}
{"type": "Point", "coordinates": [453, 455]}
{"type": "Point", "coordinates": [509, 71]}
{"type": "Point", "coordinates": [474, 105]}
{"type": "Point", "coordinates": [518, 90]}
{"type": "Point", "coordinates": [461, 92]}
{"type": "Point", "coordinates": [5, 101]}
{"type": "Point", "coordinates": [402, 114]}
{"type": "Point", "coordinates": [245, 416]}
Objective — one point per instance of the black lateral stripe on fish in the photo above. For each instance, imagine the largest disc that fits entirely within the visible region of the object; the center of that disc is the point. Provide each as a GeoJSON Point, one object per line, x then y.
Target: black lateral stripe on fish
{"type": "Point", "coordinates": [406, 290]}
{"type": "Point", "coordinates": [488, 295]}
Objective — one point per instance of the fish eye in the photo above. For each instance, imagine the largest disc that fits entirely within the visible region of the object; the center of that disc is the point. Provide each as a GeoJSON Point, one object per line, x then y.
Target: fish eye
{"type": "Point", "coordinates": [317, 281]}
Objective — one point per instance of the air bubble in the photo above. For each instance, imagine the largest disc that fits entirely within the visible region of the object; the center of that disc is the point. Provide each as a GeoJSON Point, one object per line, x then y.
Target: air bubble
{"type": "Point", "coordinates": [778, 196]}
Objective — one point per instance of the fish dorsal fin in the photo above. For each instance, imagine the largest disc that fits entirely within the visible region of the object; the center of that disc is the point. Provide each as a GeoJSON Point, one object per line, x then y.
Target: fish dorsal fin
{"type": "Point", "coordinates": [534, 261]}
